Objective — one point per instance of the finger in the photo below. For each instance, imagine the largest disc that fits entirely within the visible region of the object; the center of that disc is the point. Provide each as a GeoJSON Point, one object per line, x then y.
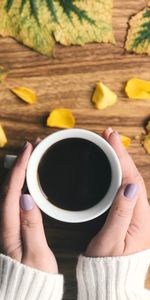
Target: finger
{"type": "Point", "coordinates": [106, 133]}
{"type": "Point", "coordinates": [33, 235]}
{"type": "Point", "coordinates": [121, 212]}
{"type": "Point", "coordinates": [130, 173]}
{"type": "Point", "coordinates": [129, 169]}
{"type": "Point", "coordinates": [12, 191]}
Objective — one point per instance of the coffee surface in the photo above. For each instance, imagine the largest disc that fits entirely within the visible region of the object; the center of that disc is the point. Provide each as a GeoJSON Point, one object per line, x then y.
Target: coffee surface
{"type": "Point", "coordinates": [74, 174]}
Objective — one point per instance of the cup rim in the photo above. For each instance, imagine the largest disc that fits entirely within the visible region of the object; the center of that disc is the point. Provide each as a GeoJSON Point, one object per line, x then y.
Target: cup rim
{"type": "Point", "coordinates": [59, 213]}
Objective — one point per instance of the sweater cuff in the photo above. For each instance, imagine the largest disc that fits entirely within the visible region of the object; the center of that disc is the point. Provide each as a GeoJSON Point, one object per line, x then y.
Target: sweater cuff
{"type": "Point", "coordinates": [113, 278]}
{"type": "Point", "coordinates": [20, 282]}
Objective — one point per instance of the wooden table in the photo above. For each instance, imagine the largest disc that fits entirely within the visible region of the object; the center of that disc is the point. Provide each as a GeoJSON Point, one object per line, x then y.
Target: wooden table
{"type": "Point", "coordinates": [68, 81]}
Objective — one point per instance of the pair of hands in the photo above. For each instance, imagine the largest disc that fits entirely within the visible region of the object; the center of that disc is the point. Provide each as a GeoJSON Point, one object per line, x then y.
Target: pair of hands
{"type": "Point", "coordinates": [125, 231]}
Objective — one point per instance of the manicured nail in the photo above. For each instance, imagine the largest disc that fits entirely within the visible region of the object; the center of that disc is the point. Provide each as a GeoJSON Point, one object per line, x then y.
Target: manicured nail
{"type": "Point", "coordinates": [24, 147]}
{"type": "Point", "coordinates": [26, 202]}
{"type": "Point", "coordinates": [109, 130]}
{"type": "Point", "coordinates": [131, 190]}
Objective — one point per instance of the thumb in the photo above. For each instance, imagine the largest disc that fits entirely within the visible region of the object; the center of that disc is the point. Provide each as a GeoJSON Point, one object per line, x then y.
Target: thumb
{"type": "Point", "coordinates": [121, 212]}
{"type": "Point", "coordinates": [32, 230]}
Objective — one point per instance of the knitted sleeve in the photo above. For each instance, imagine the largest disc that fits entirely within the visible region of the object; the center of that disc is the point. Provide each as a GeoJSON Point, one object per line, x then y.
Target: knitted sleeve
{"type": "Point", "coordinates": [20, 282]}
{"type": "Point", "coordinates": [113, 278]}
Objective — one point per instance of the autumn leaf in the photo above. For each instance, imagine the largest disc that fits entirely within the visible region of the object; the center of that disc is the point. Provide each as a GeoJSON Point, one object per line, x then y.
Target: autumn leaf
{"type": "Point", "coordinates": [138, 39]}
{"type": "Point", "coordinates": [40, 24]}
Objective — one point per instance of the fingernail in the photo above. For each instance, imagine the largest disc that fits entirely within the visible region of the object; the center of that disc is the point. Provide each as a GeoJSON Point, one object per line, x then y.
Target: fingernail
{"type": "Point", "coordinates": [26, 202]}
{"type": "Point", "coordinates": [25, 145]}
{"type": "Point", "coordinates": [109, 130]}
{"type": "Point", "coordinates": [131, 190]}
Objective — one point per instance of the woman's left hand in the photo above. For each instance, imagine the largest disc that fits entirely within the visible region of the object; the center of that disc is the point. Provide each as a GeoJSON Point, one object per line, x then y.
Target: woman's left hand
{"type": "Point", "coordinates": [22, 233]}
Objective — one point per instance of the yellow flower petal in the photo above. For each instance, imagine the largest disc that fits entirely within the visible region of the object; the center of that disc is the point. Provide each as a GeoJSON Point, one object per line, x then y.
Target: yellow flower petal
{"type": "Point", "coordinates": [3, 138]}
{"type": "Point", "coordinates": [25, 94]}
{"type": "Point", "coordinates": [138, 89]}
{"type": "Point", "coordinates": [125, 140]}
{"type": "Point", "coordinates": [146, 143]}
{"type": "Point", "coordinates": [103, 96]}
{"type": "Point", "coordinates": [61, 118]}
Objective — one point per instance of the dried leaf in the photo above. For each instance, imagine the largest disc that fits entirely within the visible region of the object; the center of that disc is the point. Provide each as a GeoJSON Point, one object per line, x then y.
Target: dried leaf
{"type": "Point", "coordinates": [3, 138]}
{"type": "Point", "coordinates": [103, 97]}
{"type": "Point", "coordinates": [146, 143]}
{"type": "Point", "coordinates": [25, 94]}
{"type": "Point", "coordinates": [61, 118]}
{"type": "Point", "coordinates": [138, 89]}
{"type": "Point", "coordinates": [138, 38]}
{"type": "Point", "coordinates": [125, 140]}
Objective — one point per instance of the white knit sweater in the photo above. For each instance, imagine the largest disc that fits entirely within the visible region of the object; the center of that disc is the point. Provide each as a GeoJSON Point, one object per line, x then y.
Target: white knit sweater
{"type": "Point", "coordinates": [111, 278]}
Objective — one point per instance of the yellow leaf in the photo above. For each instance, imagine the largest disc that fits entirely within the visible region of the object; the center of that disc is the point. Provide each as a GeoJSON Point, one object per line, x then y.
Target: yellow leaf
{"type": "Point", "coordinates": [138, 33]}
{"type": "Point", "coordinates": [25, 94]}
{"type": "Point", "coordinates": [3, 138]}
{"type": "Point", "coordinates": [138, 89]}
{"type": "Point", "coordinates": [146, 143]}
{"type": "Point", "coordinates": [125, 140]}
{"type": "Point", "coordinates": [61, 118]}
{"type": "Point", "coordinates": [103, 96]}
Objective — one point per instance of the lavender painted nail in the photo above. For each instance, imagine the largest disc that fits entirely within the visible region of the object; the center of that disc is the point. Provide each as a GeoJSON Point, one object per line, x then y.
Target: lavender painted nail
{"type": "Point", "coordinates": [26, 202]}
{"type": "Point", "coordinates": [131, 190]}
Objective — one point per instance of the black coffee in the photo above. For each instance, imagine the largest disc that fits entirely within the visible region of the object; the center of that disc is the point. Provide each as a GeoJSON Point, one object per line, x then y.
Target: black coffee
{"type": "Point", "coordinates": [74, 174]}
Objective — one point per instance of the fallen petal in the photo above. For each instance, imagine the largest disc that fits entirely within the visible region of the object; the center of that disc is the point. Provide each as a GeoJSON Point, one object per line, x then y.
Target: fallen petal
{"type": "Point", "coordinates": [125, 140]}
{"type": "Point", "coordinates": [103, 97]}
{"type": "Point", "coordinates": [25, 94]}
{"type": "Point", "coordinates": [138, 89]}
{"type": "Point", "coordinates": [3, 138]}
{"type": "Point", "coordinates": [61, 118]}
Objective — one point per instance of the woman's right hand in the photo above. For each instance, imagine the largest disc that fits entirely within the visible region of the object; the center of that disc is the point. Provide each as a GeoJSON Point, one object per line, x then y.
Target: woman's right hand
{"type": "Point", "coordinates": [127, 228]}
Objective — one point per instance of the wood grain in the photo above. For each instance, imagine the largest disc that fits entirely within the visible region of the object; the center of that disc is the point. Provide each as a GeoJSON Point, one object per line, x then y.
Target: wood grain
{"type": "Point", "coordinates": [68, 81]}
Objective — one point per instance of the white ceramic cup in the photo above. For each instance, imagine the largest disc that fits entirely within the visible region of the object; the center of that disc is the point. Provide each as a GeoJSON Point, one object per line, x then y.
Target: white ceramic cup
{"type": "Point", "coordinates": [59, 213]}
